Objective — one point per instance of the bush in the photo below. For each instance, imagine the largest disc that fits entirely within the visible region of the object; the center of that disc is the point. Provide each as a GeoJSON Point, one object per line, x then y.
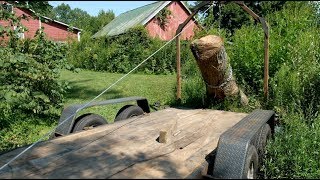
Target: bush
{"type": "Point", "coordinates": [30, 93]}
{"type": "Point", "coordinates": [290, 31]}
{"type": "Point", "coordinates": [294, 153]}
{"type": "Point", "coordinates": [29, 76]}
{"type": "Point", "coordinates": [294, 71]}
{"type": "Point", "coordinates": [23, 129]}
{"type": "Point", "coordinates": [122, 53]}
{"type": "Point", "coordinates": [294, 86]}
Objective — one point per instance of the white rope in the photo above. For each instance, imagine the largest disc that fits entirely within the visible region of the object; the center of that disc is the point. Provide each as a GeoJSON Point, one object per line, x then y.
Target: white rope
{"type": "Point", "coordinates": [25, 150]}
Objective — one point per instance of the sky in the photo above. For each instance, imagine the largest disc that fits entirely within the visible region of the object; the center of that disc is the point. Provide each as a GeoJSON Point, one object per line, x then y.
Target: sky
{"type": "Point", "coordinates": [93, 7]}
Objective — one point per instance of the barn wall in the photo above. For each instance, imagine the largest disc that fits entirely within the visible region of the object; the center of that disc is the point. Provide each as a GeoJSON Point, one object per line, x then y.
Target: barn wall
{"type": "Point", "coordinates": [57, 32]}
{"type": "Point", "coordinates": [53, 30]}
{"type": "Point", "coordinates": [32, 23]}
{"type": "Point", "coordinates": [178, 16]}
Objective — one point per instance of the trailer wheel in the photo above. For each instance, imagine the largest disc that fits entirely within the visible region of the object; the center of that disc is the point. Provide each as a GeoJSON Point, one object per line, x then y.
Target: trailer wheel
{"type": "Point", "coordinates": [251, 166]}
{"type": "Point", "coordinates": [128, 111]}
{"type": "Point", "coordinates": [88, 122]}
{"type": "Point", "coordinates": [265, 135]}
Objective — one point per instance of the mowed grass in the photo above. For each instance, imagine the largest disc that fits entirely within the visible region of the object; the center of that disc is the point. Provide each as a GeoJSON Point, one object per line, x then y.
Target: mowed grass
{"type": "Point", "coordinates": [86, 85]}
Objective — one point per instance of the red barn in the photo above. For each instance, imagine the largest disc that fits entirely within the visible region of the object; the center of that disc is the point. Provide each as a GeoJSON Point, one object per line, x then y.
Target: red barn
{"type": "Point", "coordinates": [55, 30]}
{"type": "Point", "coordinates": [152, 16]}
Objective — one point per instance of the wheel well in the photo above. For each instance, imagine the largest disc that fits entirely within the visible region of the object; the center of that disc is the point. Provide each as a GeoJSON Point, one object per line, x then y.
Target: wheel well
{"type": "Point", "coordinates": [77, 119]}
{"type": "Point", "coordinates": [272, 122]}
{"type": "Point", "coordinates": [123, 108]}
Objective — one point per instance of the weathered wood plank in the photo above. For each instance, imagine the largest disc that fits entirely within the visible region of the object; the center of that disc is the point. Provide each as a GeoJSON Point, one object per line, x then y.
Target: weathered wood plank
{"type": "Point", "coordinates": [128, 148]}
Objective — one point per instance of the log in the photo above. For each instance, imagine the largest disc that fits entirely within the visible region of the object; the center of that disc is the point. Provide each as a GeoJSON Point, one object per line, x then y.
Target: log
{"type": "Point", "coordinates": [215, 68]}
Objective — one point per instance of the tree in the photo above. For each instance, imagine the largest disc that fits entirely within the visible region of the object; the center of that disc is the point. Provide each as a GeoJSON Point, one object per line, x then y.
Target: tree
{"type": "Point", "coordinates": [63, 13]}
{"type": "Point", "coordinates": [41, 7]}
{"type": "Point", "coordinates": [81, 19]}
{"type": "Point", "coordinates": [98, 22]}
{"type": "Point", "coordinates": [231, 16]}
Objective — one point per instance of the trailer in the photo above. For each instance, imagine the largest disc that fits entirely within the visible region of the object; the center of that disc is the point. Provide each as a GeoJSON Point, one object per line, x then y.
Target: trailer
{"type": "Point", "coordinates": [169, 143]}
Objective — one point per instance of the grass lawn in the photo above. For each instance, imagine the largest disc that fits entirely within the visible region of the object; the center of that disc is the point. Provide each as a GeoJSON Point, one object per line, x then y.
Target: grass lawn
{"type": "Point", "coordinates": [86, 85]}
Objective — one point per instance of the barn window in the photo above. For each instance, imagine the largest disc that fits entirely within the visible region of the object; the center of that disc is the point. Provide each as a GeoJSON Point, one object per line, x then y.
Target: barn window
{"type": "Point", "coordinates": [7, 8]}
{"type": "Point", "coordinates": [20, 32]}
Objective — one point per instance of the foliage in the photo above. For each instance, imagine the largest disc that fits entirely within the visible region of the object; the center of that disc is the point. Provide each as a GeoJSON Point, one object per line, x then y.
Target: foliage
{"type": "Point", "coordinates": [7, 30]}
{"type": "Point", "coordinates": [193, 90]}
{"type": "Point", "coordinates": [98, 22]}
{"type": "Point", "coordinates": [231, 16]}
{"type": "Point", "coordinates": [81, 19]}
{"type": "Point", "coordinates": [124, 52]}
{"type": "Point", "coordinates": [30, 92]}
{"type": "Point", "coordinates": [294, 54]}
{"type": "Point", "coordinates": [29, 76]}
{"type": "Point", "coordinates": [162, 17]}
{"type": "Point", "coordinates": [23, 129]}
{"type": "Point", "coordinates": [29, 72]}
{"type": "Point", "coordinates": [42, 7]}
{"type": "Point", "coordinates": [294, 152]}
{"type": "Point", "coordinates": [294, 78]}
{"type": "Point", "coordinates": [294, 72]}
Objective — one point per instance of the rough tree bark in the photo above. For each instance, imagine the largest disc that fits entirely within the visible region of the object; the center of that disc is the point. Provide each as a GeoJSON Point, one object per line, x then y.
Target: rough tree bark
{"type": "Point", "coordinates": [216, 71]}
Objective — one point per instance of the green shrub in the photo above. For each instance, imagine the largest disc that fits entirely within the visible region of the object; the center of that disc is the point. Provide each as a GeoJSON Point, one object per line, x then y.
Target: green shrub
{"type": "Point", "coordinates": [294, 71]}
{"type": "Point", "coordinates": [122, 53]}
{"type": "Point", "coordinates": [294, 86]}
{"type": "Point", "coordinates": [24, 129]}
{"type": "Point", "coordinates": [30, 93]}
{"type": "Point", "coordinates": [29, 76]}
{"type": "Point", "coordinates": [294, 82]}
{"type": "Point", "coordinates": [290, 32]}
{"type": "Point", "coordinates": [193, 90]}
{"type": "Point", "coordinates": [294, 153]}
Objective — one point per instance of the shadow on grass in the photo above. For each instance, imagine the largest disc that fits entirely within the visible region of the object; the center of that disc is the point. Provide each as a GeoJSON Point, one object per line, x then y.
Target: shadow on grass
{"type": "Point", "coordinates": [85, 92]}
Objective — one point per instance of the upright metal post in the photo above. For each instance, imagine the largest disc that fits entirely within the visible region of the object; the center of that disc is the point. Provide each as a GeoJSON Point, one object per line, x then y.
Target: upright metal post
{"type": "Point", "coordinates": [266, 45]}
{"type": "Point", "coordinates": [178, 57]}
{"type": "Point", "coordinates": [178, 62]}
{"type": "Point", "coordinates": [266, 57]}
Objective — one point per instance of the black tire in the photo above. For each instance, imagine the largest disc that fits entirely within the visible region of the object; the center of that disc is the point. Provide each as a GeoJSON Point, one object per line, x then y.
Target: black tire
{"type": "Point", "coordinates": [252, 163]}
{"type": "Point", "coordinates": [89, 121]}
{"type": "Point", "coordinates": [128, 111]}
{"type": "Point", "coordinates": [264, 137]}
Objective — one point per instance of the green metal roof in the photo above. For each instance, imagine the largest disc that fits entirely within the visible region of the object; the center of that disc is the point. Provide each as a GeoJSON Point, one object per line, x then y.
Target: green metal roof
{"type": "Point", "coordinates": [132, 18]}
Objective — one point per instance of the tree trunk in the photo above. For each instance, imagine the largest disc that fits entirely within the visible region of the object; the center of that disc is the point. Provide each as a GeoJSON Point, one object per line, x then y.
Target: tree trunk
{"type": "Point", "coordinates": [216, 71]}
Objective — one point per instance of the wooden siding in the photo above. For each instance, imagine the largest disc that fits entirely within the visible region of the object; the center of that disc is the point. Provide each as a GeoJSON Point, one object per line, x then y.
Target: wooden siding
{"type": "Point", "coordinates": [178, 15]}
{"type": "Point", "coordinates": [54, 31]}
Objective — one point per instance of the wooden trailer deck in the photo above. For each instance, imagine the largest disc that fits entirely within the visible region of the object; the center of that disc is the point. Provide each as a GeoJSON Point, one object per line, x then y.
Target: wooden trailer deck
{"type": "Point", "coordinates": [129, 148]}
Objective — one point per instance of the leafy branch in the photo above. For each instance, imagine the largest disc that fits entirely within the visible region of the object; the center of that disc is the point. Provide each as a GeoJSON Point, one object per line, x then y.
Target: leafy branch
{"type": "Point", "coordinates": [162, 17]}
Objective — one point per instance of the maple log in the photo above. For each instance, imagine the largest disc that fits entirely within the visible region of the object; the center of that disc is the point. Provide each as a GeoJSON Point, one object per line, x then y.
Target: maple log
{"type": "Point", "coordinates": [215, 68]}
